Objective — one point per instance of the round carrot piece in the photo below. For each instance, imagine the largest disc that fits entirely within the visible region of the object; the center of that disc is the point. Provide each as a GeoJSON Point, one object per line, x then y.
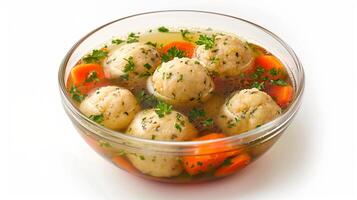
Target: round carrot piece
{"type": "Point", "coordinates": [273, 68]}
{"type": "Point", "coordinates": [207, 158]}
{"type": "Point", "coordinates": [234, 165]}
{"type": "Point", "coordinates": [186, 47]}
{"type": "Point", "coordinates": [282, 95]}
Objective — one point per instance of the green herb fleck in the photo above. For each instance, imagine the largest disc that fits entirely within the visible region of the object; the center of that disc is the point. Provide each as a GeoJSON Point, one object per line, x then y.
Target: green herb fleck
{"type": "Point", "coordinates": [129, 67]}
{"type": "Point", "coordinates": [163, 109]}
{"type": "Point", "coordinates": [184, 34]}
{"type": "Point", "coordinates": [117, 41]}
{"type": "Point", "coordinates": [227, 162]}
{"type": "Point", "coordinates": [207, 41]}
{"type": "Point", "coordinates": [97, 118]}
{"type": "Point", "coordinates": [259, 86]}
{"type": "Point", "coordinates": [207, 122]}
{"type": "Point", "coordinates": [196, 113]}
{"type": "Point", "coordinates": [92, 76]}
{"type": "Point", "coordinates": [76, 94]}
{"type": "Point", "coordinates": [273, 72]}
{"type": "Point", "coordinates": [147, 66]}
{"type": "Point", "coordinates": [95, 57]}
{"type": "Point", "coordinates": [163, 29]}
{"type": "Point", "coordinates": [178, 127]}
{"type": "Point", "coordinates": [279, 82]}
{"type": "Point", "coordinates": [151, 44]}
{"type": "Point", "coordinates": [132, 38]}
{"type": "Point", "coordinates": [172, 53]}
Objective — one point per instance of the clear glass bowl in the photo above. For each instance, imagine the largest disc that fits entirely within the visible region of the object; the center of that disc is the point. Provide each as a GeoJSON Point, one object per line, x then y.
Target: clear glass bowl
{"type": "Point", "coordinates": [116, 146]}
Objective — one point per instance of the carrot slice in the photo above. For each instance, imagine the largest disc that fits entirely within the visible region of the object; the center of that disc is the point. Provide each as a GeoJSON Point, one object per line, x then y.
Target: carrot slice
{"type": "Point", "coordinates": [234, 165]}
{"type": "Point", "coordinates": [186, 47]}
{"type": "Point", "coordinates": [204, 163]}
{"type": "Point", "coordinates": [124, 164]}
{"type": "Point", "coordinates": [282, 95]}
{"type": "Point", "coordinates": [87, 76]}
{"type": "Point", "coordinates": [274, 69]}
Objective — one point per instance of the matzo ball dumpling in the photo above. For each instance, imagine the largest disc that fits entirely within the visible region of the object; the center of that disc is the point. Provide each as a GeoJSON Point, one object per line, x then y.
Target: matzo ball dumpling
{"type": "Point", "coordinates": [112, 106]}
{"type": "Point", "coordinates": [181, 81]}
{"type": "Point", "coordinates": [246, 110]}
{"type": "Point", "coordinates": [170, 127]}
{"type": "Point", "coordinates": [132, 62]}
{"type": "Point", "coordinates": [229, 56]}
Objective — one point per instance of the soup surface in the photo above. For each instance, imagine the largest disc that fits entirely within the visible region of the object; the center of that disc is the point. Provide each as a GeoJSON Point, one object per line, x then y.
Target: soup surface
{"type": "Point", "coordinates": [181, 85]}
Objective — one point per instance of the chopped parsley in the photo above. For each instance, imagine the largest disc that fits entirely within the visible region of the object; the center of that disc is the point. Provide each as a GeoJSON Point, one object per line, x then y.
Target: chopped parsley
{"type": "Point", "coordinates": [151, 44]}
{"type": "Point", "coordinates": [129, 67]}
{"type": "Point", "coordinates": [196, 113]}
{"type": "Point", "coordinates": [163, 109]}
{"type": "Point", "coordinates": [178, 127]}
{"type": "Point", "coordinates": [145, 74]}
{"type": "Point", "coordinates": [132, 37]}
{"type": "Point", "coordinates": [147, 66]}
{"type": "Point", "coordinates": [180, 122]}
{"type": "Point", "coordinates": [207, 122]}
{"type": "Point", "coordinates": [227, 162]}
{"type": "Point", "coordinates": [259, 86]}
{"type": "Point", "coordinates": [146, 99]}
{"type": "Point", "coordinates": [273, 72]}
{"type": "Point", "coordinates": [92, 76]}
{"type": "Point", "coordinates": [279, 82]}
{"type": "Point", "coordinates": [95, 57]}
{"type": "Point", "coordinates": [184, 34]}
{"type": "Point", "coordinates": [163, 29]}
{"type": "Point", "coordinates": [97, 118]}
{"type": "Point", "coordinates": [76, 94]}
{"type": "Point", "coordinates": [206, 40]}
{"type": "Point", "coordinates": [172, 53]}
{"type": "Point", "coordinates": [117, 41]}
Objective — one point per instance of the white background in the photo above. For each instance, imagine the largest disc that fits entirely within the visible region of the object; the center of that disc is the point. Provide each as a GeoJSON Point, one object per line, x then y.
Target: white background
{"type": "Point", "coordinates": [42, 156]}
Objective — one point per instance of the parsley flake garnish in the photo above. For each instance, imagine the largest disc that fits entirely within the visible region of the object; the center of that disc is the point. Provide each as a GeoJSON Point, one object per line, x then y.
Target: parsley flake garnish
{"type": "Point", "coordinates": [129, 67]}
{"type": "Point", "coordinates": [97, 118]}
{"type": "Point", "coordinates": [117, 41]}
{"type": "Point", "coordinates": [207, 41]}
{"type": "Point", "coordinates": [196, 113]}
{"type": "Point", "coordinates": [259, 86]}
{"type": "Point", "coordinates": [95, 57]}
{"type": "Point", "coordinates": [207, 122]}
{"type": "Point", "coordinates": [147, 66]}
{"type": "Point", "coordinates": [76, 94]}
{"type": "Point", "coordinates": [273, 72]}
{"type": "Point", "coordinates": [184, 34]}
{"type": "Point", "coordinates": [163, 109]}
{"type": "Point", "coordinates": [151, 44]}
{"type": "Point", "coordinates": [163, 29]}
{"type": "Point", "coordinates": [92, 76]}
{"type": "Point", "coordinates": [132, 38]}
{"type": "Point", "coordinates": [172, 53]}
{"type": "Point", "coordinates": [178, 127]}
{"type": "Point", "coordinates": [279, 82]}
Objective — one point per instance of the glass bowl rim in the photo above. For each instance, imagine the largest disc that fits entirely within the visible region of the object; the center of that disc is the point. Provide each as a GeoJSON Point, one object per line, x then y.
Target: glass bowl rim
{"type": "Point", "coordinates": [112, 135]}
